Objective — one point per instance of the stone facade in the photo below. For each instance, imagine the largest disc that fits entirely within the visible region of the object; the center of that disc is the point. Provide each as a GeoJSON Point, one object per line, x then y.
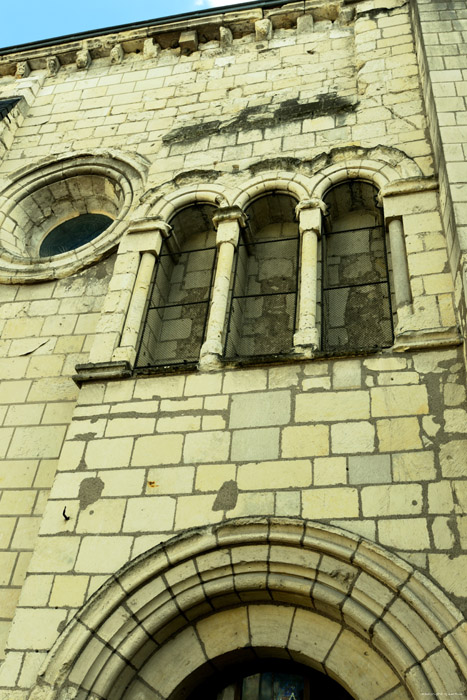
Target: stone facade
{"type": "Point", "coordinates": [185, 489]}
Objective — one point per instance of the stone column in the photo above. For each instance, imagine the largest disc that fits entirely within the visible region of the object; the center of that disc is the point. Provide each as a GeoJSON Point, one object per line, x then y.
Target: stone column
{"type": "Point", "coordinates": [228, 222]}
{"type": "Point", "coordinates": [400, 271]}
{"type": "Point", "coordinates": [144, 237]}
{"type": "Point", "coordinates": [309, 213]}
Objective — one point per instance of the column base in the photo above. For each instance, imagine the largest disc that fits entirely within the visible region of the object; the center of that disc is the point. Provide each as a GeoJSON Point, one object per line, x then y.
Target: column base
{"type": "Point", "coordinates": [306, 340]}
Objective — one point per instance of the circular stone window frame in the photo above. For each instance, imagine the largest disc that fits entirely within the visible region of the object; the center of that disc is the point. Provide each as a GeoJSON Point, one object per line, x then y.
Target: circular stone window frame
{"type": "Point", "coordinates": [128, 172]}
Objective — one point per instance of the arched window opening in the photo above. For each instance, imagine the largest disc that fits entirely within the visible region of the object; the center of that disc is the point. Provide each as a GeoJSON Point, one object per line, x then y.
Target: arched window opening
{"type": "Point", "coordinates": [267, 680]}
{"type": "Point", "coordinates": [356, 302]}
{"type": "Point", "coordinates": [264, 294]}
{"type": "Point", "coordinates": [179, 298]}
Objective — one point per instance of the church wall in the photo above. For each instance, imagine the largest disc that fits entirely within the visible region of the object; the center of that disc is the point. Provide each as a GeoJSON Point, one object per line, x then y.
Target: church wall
{"type": "Point", "coordinates": [375, 445]}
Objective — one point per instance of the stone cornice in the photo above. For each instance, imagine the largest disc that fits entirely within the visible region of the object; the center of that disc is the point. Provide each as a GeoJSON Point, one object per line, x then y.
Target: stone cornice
{"type": "Point", "coordinates": [164, 34]}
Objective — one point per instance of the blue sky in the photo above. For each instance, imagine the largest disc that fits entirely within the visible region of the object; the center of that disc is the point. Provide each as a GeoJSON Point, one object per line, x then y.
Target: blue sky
{"type": "Point", "coordinates": [32, 20]}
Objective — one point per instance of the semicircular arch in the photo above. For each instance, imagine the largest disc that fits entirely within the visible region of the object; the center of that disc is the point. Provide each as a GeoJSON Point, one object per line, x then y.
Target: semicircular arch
{"type": "Point", "coordinates": [380, 166]}
{"type": "Point", "coordinates": [170, 607]}
{"type": "Point", "coordinates": [166, 206]}
{"type": "Point", "coordinates": [293, 184]}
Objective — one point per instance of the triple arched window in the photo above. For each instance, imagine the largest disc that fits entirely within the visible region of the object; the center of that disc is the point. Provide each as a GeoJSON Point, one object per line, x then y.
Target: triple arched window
{"type": "Point", "coordinates": [267, 280]}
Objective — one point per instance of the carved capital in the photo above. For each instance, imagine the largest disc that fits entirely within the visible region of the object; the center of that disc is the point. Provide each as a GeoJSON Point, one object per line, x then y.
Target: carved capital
{"type": "Point", "coordinates": [83, 59]}
{"type": "Point", "coordinates": [53, 65]}
{"type": "Point", "coordinates": [310, 213]}
{"type": "Point", "coordinates": [229, 214]}
{"type": "Point", "coordinates": [144, 236]}
{"type": "Point", "coordinates": [311, 203]}
{"type": "Point", "coordinates": [149, 224]}
{"type": "Point", "coordinates": [22, 69]}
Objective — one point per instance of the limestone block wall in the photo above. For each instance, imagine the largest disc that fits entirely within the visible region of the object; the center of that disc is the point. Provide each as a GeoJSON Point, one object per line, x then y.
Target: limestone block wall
{"type": "Point", "coordinates": [441, 36]}
{"type": "Point", "coordinates": [45, 330]}
{"type": "Point", "coordinates": [374, 445]}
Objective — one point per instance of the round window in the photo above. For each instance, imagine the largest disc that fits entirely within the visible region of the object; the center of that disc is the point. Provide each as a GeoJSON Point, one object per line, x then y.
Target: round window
{"type": "Point", "coordinates": [73, 233]}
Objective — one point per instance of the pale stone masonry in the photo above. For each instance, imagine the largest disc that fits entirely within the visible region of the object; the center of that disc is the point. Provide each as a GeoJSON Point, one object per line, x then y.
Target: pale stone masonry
{"type": "Point", "coordinates": [213, 449]}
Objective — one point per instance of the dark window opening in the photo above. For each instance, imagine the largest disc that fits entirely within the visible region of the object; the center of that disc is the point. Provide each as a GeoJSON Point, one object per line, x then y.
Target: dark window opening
{"type": "Point", "coordinates": [271, 681]}
{"type": "Point", "coordinates": [262, 314]}
{"type": "Point", "coordinates": [74, 233]}
{"type": "Point", "coordinates": [356, 309]}
{"type": "Point", "coordinates": [178, 305]}
{"type": "Point", "coordinates": [7, 105]}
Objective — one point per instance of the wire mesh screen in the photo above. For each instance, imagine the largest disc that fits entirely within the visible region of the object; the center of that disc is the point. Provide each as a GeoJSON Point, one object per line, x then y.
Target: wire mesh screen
{"type": "Point", "coordinates": [356, 303]}
{"type": "Point", "coordinates": [263, 303]}
{"type": "Point", "coordinates": [177, 309]}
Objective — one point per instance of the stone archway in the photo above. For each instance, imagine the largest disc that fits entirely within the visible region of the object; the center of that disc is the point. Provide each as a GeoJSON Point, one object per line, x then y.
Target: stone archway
{"type": "Point", "coordinates": [271, 587]}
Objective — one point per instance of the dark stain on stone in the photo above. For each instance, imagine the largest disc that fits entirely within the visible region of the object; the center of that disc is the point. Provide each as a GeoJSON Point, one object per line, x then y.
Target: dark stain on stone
{"type": "Point", "coordinates": [261, 117]}
{"type": "Point", "coordinates": [90, 491]}
{"type": "Point", "coordinates": [275, 164]}
{"type": "Point", "coordinates": [227, 495]}
{"type": "Point", "coordinates": [194, 176]}
{"type": "Point", "coordinates": [84, 436]}
{"type": "Point", "coordinates": [82, 466]}
{"type": "Point", "coordinates": [61, 626]}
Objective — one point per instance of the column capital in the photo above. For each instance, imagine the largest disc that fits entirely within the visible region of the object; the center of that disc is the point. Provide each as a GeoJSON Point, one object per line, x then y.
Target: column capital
{"type": "Point", "coordinates": [311, 203]}
{"type": "Point", "coordinates": [310, 213]}
{"type": "Point", "coordinates": [229, 214]}
{"type": "Point", "coordinates": [144, 235]}
{"type": "Point", "coordinates": [149, 224]}
{"type": "Point", "coordinates": [228, 222]}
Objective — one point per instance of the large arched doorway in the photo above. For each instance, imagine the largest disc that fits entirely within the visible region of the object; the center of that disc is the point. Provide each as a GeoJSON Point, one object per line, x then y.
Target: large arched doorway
{"type": "Point", "coordinates": [254, 590]}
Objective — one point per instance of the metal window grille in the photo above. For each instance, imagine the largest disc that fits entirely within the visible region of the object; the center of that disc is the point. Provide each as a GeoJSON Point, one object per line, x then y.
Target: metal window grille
{"type": "Point", "coordinates": [356, 299]}
{"type": "Point", "coordinates": [177, 309]}
{"type": "Point", "coordinates": [263, 304]}
{"type": "Point", "coordinates": [7, 105]}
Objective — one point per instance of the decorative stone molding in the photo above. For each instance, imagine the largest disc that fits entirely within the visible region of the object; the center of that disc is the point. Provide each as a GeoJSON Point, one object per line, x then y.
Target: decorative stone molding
{"type": "Point", "coordinates": [305, 24]}
{"type": "Point", "coordinates": [116, 54]}
{"type": "Point", "coordinates": [83, 59]}
{"type": "Point", "coordinates": [292, 184]}
{"type": "Point", "coordinates": [225, 37]}
{"type": "Point", "coordinates": [309, 213]}
{"type": "Point", "coordinates": [144, 236]}
{"type": "Point", "coordinates": [151, 49]}
{"type": "Point", "coordinates": [101, 371]}
{"type": "Point", "coordinates": [164, 206]}
{"type": "Point", "coordinates": [263, 30]}
{"type": "Point", "coordinates": [211, 26]}
{"type": "Point", "coordinates": [22, 70]}
{"type": "Point", "coordinates": [328, 598]}
{"type": "Point", "coordinates": [188, 42]}
{"type": "Point", "coordinates": [53, 65]}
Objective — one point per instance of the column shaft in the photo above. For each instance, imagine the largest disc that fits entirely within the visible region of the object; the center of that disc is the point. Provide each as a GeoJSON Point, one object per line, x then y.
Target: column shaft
{"type": "Point", "coordinates": [306, 338]}
{"type": "Point", "coordinates": [220, 297]}
{"type": "Point", "coordinates": [134, 318]}
{"type": "Point", "coordinates": [400, 271]}
{"type": "Point", "coordinates": [228, 221]}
